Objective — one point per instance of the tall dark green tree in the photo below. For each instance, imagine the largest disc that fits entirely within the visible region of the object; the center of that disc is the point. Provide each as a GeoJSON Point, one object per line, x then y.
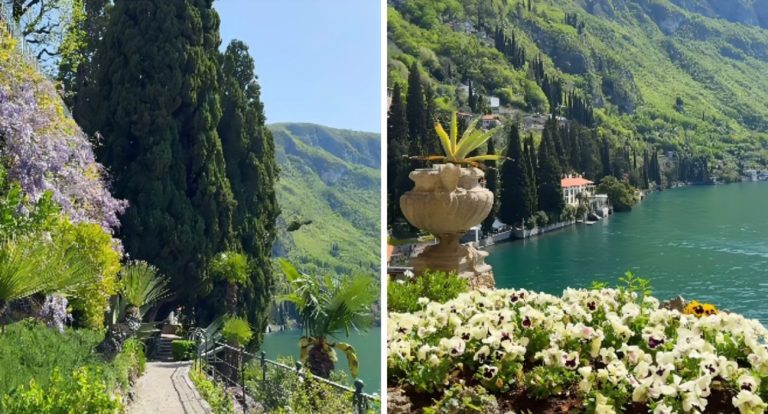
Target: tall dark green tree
{"type": "Point", "coordinates": [397, 149]}
{"type": "Point", "coordinates": [249, 152]}
{"type": "Point", "coordinates": [515, 195]}
{"type": "Point", "coordinates": [531, 165]}
{"type": "Point", "coordinates": [416, 112]}
{"type": "Point", "coordinates": [159, 106]}
{"type": "Point", "coordinates": [492, 183]}
{"type": "Point", "coordinates": [77, 67]}
{"type": "Point", "coordinates": [549, 174]}
{"type": "Point", "coordinates": [430, 143]}
{"type": "Point", "coordinates": [605, 157]}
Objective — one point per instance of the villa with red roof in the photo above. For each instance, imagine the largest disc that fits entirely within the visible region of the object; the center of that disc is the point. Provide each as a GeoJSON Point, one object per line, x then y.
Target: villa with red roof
{"type": "Point", "coordinates": [573, 185]}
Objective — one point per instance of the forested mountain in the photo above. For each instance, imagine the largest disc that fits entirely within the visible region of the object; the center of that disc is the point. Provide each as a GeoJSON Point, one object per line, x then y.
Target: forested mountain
{"type": "Point", "coordinates": [329, 177]}
{"type": "Point", "coordinates": [684, 75]}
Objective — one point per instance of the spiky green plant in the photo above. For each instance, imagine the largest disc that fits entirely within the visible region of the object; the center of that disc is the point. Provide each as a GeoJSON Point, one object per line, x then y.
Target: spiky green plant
{"type": "Point", "coordinates": [457, 149]}
{"type": "Point", "coordinates": [328, 306]}
{"type": "Point", "coordinates": [31, 265]}
{"type": "Point", "coordinates": [232, 267]}
{"type": "Point", "coordinates": [141, 284]}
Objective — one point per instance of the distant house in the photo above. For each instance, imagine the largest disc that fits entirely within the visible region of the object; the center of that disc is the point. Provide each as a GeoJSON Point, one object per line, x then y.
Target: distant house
{"type": "Point", "coordinates": [494, 103]}
{"type": "Point", "coordinates": [573, 185]}
{"type": "Point", "coordinates": [489, 121]}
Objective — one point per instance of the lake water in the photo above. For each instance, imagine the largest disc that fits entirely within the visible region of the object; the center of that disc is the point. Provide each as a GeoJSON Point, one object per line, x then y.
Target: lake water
{"type": "Point", "coordinates": [367, 345]}
{"type": "Point", "coordinates": [708, 243]}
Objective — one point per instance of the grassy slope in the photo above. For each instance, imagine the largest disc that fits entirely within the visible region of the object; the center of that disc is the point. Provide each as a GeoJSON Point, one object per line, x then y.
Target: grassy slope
{"type": "Point", "coordinates": [331, 177]}
{"type": "Point", "coordinates": [653, 51]}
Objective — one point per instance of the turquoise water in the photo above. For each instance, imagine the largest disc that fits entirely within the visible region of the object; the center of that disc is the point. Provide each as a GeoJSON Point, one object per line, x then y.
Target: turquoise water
{"type": "Point", "coordinates": [708, 243]}
{"type": "Point", "coordinates": [367, 345]}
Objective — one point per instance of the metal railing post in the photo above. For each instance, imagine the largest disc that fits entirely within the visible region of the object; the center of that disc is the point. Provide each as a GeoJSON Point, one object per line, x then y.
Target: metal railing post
{"type": "Point", "coordinates": [264, 367]}
{"type": "Point", "coordinates": [241, 358]}
{"type": "Point", "coordinates": [360, 401]}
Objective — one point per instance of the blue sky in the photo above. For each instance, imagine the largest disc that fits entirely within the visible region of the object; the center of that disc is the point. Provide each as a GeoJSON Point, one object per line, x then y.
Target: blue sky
{"type": "Point", "coordinates": [317, 60]}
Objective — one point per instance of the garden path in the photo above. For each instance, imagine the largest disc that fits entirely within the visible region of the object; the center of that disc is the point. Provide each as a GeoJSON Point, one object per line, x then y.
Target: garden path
{"type": "Point", "coordinates": [166, 388]}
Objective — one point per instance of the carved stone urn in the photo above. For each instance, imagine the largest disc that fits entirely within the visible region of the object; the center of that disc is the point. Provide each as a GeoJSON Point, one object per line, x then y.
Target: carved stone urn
{"type": "Point", "coordinates": [447, 201]}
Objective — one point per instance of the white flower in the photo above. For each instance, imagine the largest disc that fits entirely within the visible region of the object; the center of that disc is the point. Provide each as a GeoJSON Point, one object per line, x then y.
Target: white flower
{"type": "Point", "coordinates": [602, 405]}
{"type": "Point", "coordinates": [748, 383]}
{"type": "Point", "coordinates": [423, 301]}
{"type": "Point", "coordinates": [663, 409]}
{"type": "Point", "coordinates": [749, 403]}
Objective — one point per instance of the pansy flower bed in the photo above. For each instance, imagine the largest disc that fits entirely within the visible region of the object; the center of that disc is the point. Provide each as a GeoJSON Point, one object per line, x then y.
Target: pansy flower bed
{"type": "Point", "coordinates": [590, 350]}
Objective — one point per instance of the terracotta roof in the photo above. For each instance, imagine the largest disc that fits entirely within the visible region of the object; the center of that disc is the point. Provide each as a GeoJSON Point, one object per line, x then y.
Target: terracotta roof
{"type": "Point", "coordinates": [574, 182]}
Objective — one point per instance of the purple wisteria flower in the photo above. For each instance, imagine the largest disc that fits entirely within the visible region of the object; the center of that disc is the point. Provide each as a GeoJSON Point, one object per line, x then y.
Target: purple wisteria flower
{"type": "Point", "coordinates": [54, 312]}
{"type": "Point", "coordinates": [44, 150]}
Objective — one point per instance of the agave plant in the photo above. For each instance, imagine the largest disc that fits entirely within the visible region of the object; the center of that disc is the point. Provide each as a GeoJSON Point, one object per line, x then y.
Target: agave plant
{"type": "Point", "coordinates": [457, 149]}
{"type": "Point", "coordinates": [328, 306]}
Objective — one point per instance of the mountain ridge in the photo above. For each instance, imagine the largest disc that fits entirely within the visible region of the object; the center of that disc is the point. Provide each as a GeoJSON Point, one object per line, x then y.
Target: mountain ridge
{"type": "Point", "coordinates": [331, 177]}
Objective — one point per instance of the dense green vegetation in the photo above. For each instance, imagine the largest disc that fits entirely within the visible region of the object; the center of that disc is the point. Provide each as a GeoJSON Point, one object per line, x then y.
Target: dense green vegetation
{"type": "Point", "coordinates": [284, 391]}
{"type": "Point", "coordinates": [45, 371]}
{"type": "Point", "coordinates": [404, 295]}
{"type": "Point", "coordinates": [329, 177]}
{"type": "Point", "coordinates": [645, 77]}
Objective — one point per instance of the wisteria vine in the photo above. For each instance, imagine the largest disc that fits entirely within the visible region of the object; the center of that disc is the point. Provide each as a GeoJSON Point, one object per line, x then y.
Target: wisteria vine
{"type": "Point", "coordinates": [44, 150]}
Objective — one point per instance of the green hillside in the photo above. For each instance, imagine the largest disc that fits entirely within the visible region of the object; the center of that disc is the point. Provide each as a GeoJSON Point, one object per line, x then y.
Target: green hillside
{"type": "Point", "coordinates": [329, 176]}
{"type": "Point", "coordinates": [688, 78]}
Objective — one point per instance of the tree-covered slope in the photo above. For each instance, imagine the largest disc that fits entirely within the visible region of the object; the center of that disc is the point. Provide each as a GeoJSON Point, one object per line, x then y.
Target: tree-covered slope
{"type": "Point", "coordinates": [331, 177]}
{"type": "Point", "coordinates": [683, 75]}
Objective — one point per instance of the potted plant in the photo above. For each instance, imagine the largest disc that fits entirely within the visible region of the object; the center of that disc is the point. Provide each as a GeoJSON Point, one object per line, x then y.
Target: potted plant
{"type": "Point", "coordinates": [448, 199]}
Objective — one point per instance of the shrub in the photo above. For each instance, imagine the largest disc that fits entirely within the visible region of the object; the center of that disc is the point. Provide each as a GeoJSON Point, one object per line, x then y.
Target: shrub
{"type": "Point", "coordinates": [403, 296]}
{"type": "Point", "coordinates": [48, 372]}
{"type": "Point", "coordinates": [620, 194]}
{"type": "Point", "coordinates": [286, 392]}
{"type": "Point", "coordinates": [183, 350]}
{"type": "Point", "coordinates": [84, 391]}
{"type": "Point", "coordinates": [30, 350]}
{"type": "Point", "coordinates": [236, 331]}
{"type": "Point", "coordinates": [217, 398]}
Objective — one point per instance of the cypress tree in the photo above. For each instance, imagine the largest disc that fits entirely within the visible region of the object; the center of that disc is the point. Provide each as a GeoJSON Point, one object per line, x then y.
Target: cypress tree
{"type": "Point", "coordinates": [646, 161]}
{"type": "Point", "coordinates": [549, 173]}
{"type": "Point", "coordinates": [605, 157]}
{"type": "Point", "coordinates": [159, 108]}
{"type": "Point", "coordinates": [492, 183]}
{"type": "Point", "coordinates": [249, 152]}
{"type": "Point", "coordinates": [531, 165]}
{"type": "Point", "coordinates": [430, 143]}
{"type": "Point", "coordinates": [514, 206]}
{"type": "Point", "coordinates": [397, 148]}
{"type": "Point", "coordinates": [416, 112]}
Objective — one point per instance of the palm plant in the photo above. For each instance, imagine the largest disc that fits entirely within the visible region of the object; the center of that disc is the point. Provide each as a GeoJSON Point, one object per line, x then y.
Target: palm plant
{"type": "Point", "coordinates": [233, 268]}
{"type": "Point", "coordinates": [457, 149]}
{"type": "Point", "coordinates": [328, 306]}
{"type": "Point", "coordinates": [141, 287]}
{"type": "Point", "coordinates": [29, 266]}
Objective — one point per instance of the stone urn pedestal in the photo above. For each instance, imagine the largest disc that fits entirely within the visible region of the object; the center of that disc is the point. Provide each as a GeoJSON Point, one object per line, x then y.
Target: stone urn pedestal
{"type": "Point", "coordinates": [447, 201]}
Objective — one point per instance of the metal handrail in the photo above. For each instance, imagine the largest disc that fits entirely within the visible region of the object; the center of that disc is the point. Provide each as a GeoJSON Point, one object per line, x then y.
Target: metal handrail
{"type": "Point", "coordinates": [207, 355]}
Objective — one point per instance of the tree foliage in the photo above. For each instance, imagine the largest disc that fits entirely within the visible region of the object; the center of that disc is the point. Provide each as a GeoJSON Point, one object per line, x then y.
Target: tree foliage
{"type": "Point", "coordinates": [158, 88]}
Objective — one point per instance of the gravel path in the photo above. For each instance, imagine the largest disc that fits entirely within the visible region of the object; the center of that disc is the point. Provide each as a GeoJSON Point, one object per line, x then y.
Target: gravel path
{"type": "Point", "coordinates": [165, 388]}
